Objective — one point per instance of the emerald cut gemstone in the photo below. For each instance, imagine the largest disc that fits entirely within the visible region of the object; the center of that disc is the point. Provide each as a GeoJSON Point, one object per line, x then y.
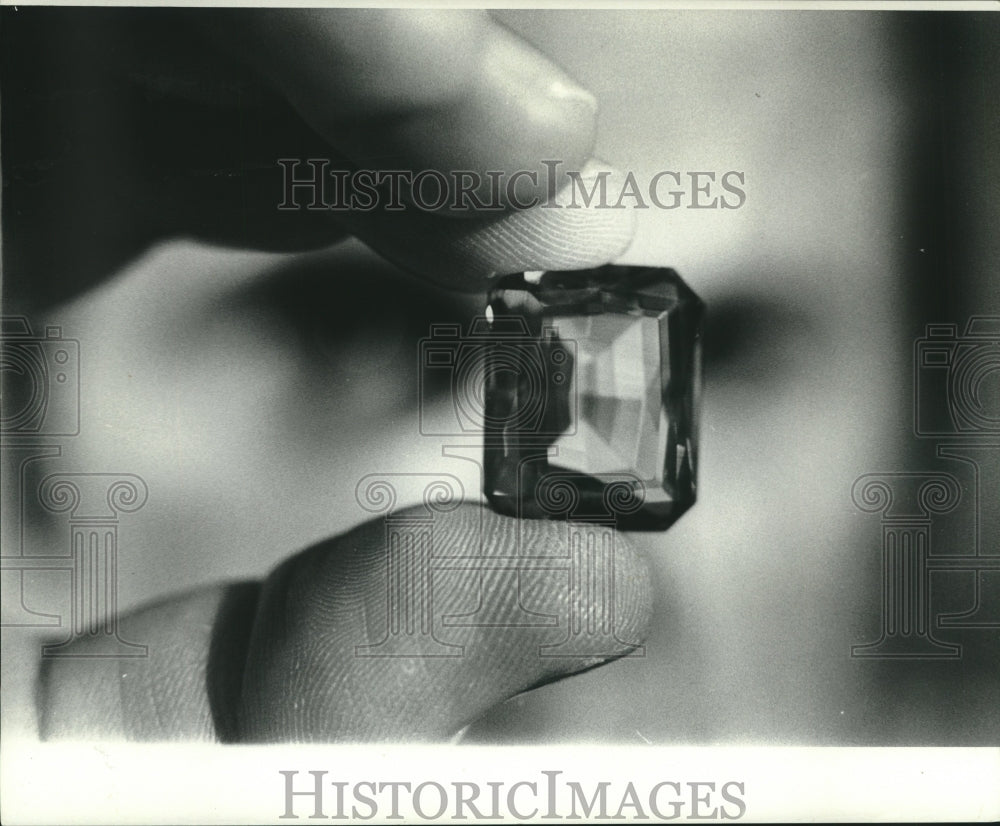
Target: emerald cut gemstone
{"type": "Point", "coordinates": [592, 383]}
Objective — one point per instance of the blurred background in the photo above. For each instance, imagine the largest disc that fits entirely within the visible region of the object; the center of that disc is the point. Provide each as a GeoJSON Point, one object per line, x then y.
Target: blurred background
{"type": "Point", "coordinates": [252, 390]}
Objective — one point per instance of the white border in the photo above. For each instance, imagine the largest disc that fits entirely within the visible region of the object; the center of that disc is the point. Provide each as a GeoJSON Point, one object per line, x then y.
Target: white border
{"type": "Point", "coordinates": [166, 783]}
{"type": "Point", "coordinates": [771, 5]}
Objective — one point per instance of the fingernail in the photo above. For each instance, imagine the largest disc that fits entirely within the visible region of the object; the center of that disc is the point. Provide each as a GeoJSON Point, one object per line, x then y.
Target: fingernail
{"type": "Point", "coordinates": [566, 89]}
{"type": "Point", "coordinates": [533, 80]}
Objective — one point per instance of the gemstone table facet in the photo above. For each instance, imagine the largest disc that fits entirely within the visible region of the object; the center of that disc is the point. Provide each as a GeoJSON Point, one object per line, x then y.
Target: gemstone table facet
{"type": "Point", "coordinates": [592, 383]}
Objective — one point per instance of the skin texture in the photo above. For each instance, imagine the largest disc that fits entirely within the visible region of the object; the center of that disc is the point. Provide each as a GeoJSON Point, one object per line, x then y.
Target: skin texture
{"type": "Point", "coordinates": [252, 390]}
{"type": "Point", "coordinates": [401, 90]}
{"type": "Point", "coordinates": [277, 662]}
{"type": "Point", "coordinates": [433, 92]}
{"type": "Point", "coordinates": [175, 120]}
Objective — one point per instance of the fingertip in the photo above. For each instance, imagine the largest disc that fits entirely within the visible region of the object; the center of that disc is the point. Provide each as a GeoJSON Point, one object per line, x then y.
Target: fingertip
{"type": "Point", "coordinates": [353, 642]}
{"type": "Point", "coordinates": [582, 228]}
{"type": "Point", "coordinates": [421, 89]}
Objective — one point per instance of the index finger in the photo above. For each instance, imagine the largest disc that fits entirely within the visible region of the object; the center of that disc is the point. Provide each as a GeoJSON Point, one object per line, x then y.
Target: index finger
{"type": "Point", "coordinates": [420, 89]}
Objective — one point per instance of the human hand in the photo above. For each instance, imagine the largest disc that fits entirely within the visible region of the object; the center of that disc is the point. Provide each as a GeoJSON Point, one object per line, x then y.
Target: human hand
{"type": "Point", "coordinates": [244, 662]}
{"type": "Point", "coordinates": [178, 118]}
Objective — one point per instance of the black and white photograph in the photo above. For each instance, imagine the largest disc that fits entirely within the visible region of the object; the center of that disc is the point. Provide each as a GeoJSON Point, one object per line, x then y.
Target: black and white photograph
{"type": "Point", "coordinates": [424, 413]}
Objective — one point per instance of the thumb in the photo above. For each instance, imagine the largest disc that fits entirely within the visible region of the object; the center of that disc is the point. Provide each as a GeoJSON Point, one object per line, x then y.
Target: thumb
{"type": "Point", "coordinates": [407, 628]}
{"type": "Point", "coordinates": [412, 627]}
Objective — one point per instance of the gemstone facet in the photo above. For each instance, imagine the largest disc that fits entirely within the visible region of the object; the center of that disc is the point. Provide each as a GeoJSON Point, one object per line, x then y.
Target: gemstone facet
{"type": "Point", "coordinates": [592, 383]}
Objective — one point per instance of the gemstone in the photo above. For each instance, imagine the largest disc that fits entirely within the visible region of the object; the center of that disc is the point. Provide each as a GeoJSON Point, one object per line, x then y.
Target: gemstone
{"type": "Point", "coordinates": [592, 381]}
